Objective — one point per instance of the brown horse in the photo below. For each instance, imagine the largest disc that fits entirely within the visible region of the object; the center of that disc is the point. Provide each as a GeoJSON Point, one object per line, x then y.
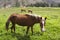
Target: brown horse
{"type": "Point", "coordinates": [29, 11]}
{"type": "Point", "coordinates": [25, 20]}
{"type": "Point", "coordinates": [23, 10]}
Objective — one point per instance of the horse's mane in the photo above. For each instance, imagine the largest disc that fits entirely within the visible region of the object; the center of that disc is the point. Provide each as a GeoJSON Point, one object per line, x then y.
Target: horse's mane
{"type": "Point", "coordinates": [35, 15]}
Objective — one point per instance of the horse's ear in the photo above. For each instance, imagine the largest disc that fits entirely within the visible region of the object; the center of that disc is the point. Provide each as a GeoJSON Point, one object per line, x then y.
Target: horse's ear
{"type": "Point", "coordinates": [45, 18]}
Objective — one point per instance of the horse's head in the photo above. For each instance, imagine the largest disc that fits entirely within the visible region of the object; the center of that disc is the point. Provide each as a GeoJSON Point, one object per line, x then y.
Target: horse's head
{"type": "Point", "coordinates": [42, 23]}
{"type": "Point", "coordinates": [39, 19]}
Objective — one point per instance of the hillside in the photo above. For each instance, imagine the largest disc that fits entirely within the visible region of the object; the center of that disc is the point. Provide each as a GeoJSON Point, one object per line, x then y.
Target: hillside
{"type": "Point", "coordinates": [10, 3]}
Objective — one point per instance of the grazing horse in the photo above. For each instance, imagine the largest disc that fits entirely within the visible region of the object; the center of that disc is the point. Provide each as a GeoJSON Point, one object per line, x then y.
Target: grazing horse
{"type": "Point", "coordinates": [26, 20]}
{"type": "Point", "coordinates": [29, 11]}
{"type": "Point", "coordinates": [23, 10]}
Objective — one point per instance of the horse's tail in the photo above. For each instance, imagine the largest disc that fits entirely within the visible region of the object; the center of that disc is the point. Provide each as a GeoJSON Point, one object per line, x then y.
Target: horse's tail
{"type": "Point", "coordinates": [7, 24]}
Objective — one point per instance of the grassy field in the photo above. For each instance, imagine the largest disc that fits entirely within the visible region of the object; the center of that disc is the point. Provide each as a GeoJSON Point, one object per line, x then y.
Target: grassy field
{"type": "Point", "coordinates": [52, 25]}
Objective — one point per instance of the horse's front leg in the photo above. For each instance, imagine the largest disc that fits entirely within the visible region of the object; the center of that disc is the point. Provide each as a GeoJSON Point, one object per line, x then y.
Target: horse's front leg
{"type": "Point", "coordinates": [14, 28]}
{"type": "Point", "coordinates": [32, 29]}
{"type": "Point", "coordinates": [27, 30]}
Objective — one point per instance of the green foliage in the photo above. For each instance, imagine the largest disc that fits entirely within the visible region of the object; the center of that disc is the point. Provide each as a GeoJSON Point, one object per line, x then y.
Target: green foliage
{"type": "Point", "coordinates": [39, 5]}
{"type": "Point", "coordinates": [52, 25]}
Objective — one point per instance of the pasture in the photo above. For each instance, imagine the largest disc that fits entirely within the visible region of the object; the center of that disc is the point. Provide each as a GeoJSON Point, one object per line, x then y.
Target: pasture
{"type": "Point", "coordinates": [52, 24]}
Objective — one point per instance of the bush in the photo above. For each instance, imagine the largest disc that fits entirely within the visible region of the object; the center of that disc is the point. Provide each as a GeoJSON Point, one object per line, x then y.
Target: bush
{"type": "Point", "coordinates": [39, 5]}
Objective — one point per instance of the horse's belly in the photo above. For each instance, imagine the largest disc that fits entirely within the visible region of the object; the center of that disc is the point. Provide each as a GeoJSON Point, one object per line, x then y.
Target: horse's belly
{"type": "Point", "coordinates": [24, 24]}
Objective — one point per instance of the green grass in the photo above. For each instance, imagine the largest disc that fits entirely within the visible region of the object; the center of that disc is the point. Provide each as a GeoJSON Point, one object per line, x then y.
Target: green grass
{"type": "Point", "coordinates": [52, 25]}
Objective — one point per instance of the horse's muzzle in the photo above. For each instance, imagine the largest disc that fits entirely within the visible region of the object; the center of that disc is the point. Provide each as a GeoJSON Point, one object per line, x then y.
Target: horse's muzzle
{"type": "Point", "coordinates": [43, 30]}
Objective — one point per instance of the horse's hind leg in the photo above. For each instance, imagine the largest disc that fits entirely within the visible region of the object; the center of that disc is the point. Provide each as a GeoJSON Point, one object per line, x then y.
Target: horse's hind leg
{"type": "Point", "coordinates": [13, 27]}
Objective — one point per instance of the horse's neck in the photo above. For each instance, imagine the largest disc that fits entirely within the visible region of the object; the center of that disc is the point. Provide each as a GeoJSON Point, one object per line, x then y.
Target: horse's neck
{"type": "Point", "coordinates": [33, 15]}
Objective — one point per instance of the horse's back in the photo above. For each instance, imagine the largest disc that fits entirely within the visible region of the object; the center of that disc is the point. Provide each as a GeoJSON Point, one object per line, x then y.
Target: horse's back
{"type": "Point", "coordinates": [22, 19]}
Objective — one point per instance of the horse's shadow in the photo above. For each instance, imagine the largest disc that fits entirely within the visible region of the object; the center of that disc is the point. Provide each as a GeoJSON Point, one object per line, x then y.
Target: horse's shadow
{"type": "Point", "coordinates": [20, 37]}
